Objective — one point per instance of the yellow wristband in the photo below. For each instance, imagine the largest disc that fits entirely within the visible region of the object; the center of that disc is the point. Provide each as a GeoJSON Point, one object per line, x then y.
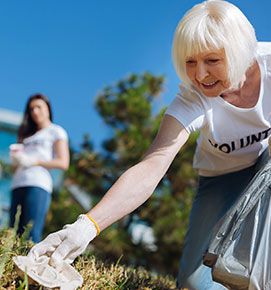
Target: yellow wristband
{"type": "Point", "coordinates": [95, 224]}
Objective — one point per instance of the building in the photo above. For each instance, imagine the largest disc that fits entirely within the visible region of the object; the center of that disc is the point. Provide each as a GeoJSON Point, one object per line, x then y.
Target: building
{"type": "Point", "coordinates": [9, 123]}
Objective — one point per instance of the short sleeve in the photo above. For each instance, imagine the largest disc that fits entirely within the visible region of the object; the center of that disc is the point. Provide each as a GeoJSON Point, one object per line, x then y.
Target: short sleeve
{"type": "Point", "coordinates": [59, 133]}
{"type": "Point", "coordinates": [188, 108]}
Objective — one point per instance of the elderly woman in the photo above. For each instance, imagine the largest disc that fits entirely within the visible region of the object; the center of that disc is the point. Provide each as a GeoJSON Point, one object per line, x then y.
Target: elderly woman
{"type": "Point", "coordinates": [225, 95]}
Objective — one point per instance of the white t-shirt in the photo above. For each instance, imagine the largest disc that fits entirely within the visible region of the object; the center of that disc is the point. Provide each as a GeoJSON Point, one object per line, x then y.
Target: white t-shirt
{"type": "Point", "coordinates": [41, 146]}
{"type": "Point", "coordinates": [231, 138]}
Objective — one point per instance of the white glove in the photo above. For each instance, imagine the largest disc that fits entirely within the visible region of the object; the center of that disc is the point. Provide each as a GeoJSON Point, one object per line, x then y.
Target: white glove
{"type": "Point", "coordinates": [66, 244]}
{"type": "Point", "coordinates": [23, 160]}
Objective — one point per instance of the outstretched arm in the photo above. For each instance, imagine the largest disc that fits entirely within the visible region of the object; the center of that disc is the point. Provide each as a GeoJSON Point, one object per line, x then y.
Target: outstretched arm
{"type": "Point", "coordinates": [137, 184]}
{"type": "Point", "coordinates": [132, 189]}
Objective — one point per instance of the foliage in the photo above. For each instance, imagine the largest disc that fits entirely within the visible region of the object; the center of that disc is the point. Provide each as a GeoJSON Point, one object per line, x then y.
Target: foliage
{"type": "Point", "coordinates": [5, 170]}
{"type": "Point", "coordinates": [96, 274]}
{"type": "Point", "coordinates": [63, 210]}
{"type": "Point", "coordinates": [12, 245]}
{"type": "Point", "coordinates": [100, 275]}
{"type": "Point", "coordinates": [127, 108]}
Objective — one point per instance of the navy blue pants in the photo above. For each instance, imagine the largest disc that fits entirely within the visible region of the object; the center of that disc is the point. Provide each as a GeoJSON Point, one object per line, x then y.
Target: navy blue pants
{"type": "Point", "coordinates": [34, 202]}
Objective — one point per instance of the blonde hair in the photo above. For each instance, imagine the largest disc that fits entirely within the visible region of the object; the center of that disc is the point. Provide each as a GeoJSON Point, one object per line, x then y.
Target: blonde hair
{"type": "Point", "coordinates": [215, 24]}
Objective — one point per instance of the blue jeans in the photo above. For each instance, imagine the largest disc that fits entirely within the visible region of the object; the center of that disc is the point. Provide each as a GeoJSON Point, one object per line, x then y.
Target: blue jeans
{"type": "Point", "coordinates": [215, 195]}
{"type": "Point", "coordinates": [34, 202]}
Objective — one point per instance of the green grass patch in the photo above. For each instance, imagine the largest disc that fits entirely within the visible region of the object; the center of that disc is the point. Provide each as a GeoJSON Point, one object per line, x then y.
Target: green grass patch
{"type": "Point", "coordinates": [96, 274]}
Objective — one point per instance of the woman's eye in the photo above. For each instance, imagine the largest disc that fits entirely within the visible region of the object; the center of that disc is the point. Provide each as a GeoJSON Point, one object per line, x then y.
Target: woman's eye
{"type": "Point", "coordinates": [213, 60]}
{"type": "Point", "coordinates": [190, 62]}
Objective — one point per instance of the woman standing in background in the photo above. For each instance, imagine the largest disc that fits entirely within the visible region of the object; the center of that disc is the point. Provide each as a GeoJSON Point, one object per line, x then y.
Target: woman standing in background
{"type": "Point", "coordinates": [43, 146]}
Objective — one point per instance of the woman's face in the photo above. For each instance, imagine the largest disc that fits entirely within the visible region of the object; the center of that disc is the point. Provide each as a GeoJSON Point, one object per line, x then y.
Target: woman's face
{"type": "Point", "coordinates": [39, 111]}
{"type": "Point", "coordinates": [208, 72]}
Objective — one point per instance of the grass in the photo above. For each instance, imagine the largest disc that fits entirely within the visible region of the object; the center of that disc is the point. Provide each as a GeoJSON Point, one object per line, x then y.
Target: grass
{"type": "Point", "coordinates": [96, 274]}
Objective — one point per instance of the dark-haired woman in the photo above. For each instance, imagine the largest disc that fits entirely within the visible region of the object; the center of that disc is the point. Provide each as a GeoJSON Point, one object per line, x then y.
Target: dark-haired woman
{"type": "Point", "coordinates": [44, 147]}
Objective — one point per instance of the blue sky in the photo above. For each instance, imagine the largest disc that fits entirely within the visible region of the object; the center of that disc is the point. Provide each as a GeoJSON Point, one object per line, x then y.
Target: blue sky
{"type": "Point", "coordinates": [70, 50]}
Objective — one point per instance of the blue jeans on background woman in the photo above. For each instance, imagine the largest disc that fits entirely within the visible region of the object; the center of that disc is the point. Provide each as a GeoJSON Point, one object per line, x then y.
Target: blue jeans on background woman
{"type": "Point", "coordinates": [34, 202]}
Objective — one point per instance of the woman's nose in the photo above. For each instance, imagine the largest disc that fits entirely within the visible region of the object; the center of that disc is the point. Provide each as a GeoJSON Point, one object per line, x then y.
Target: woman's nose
{"type": "Point", "coordinates": [35, 111]}
{"type": "Point", "coordinates": [201, 72]}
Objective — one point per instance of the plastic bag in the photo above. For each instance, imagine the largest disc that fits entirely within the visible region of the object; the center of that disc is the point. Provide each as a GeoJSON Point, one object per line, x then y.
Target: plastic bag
{"type": "Point", "coordinates": [240, 250]}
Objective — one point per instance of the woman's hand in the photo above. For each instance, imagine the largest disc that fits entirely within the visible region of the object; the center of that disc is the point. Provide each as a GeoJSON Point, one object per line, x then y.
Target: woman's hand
{"type": "Point", "coordinates": [21, 159]}
{"type": "Point", "coordinates": [66, 244]}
